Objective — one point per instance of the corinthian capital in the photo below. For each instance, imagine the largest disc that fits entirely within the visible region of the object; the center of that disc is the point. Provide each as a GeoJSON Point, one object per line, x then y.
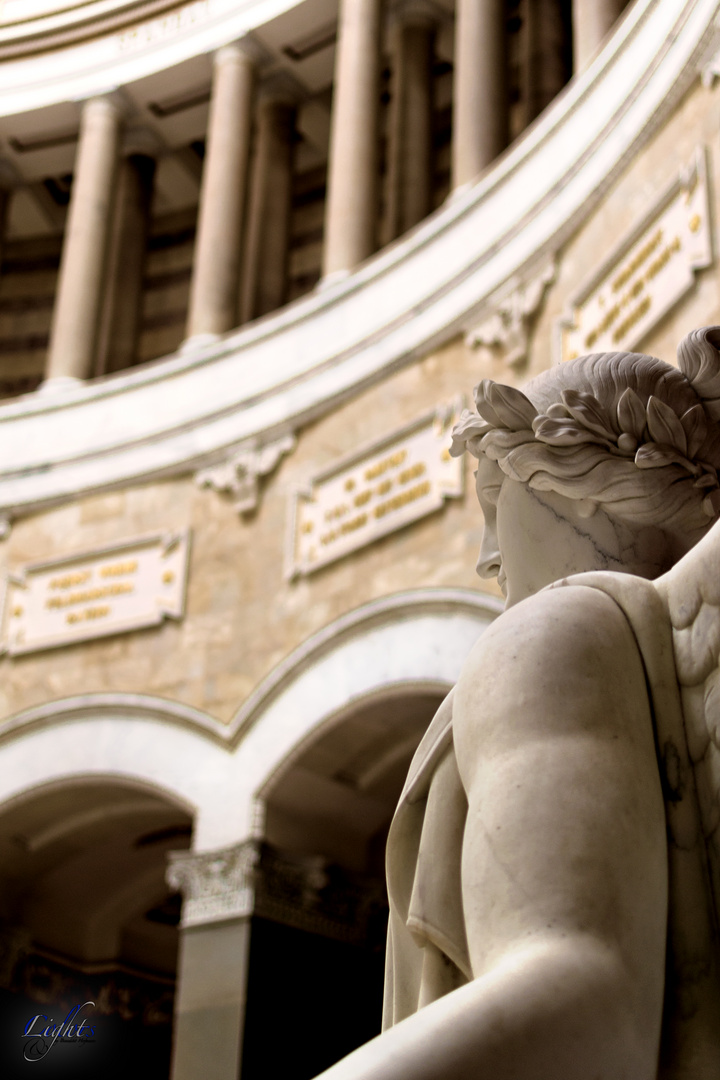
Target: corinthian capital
{"type": "Point", "coordinates": [215, 885]}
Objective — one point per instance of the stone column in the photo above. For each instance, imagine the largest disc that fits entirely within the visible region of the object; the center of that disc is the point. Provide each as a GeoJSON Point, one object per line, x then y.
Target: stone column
{"type": "Point", "coordinates": [546, 56]}
{"type": "Point", "coordinates": [8, 182]}
{"type": "Point", "coordinates": [409, 156]}
{"type": "Point", "coordinates": [592, 22]}
{"type": "Point", "coordinates": [351, 207]}
{"type": "Point", "coordinates": [218, 889]}
{"type": "Point", "coordinates": [480, 95]}
{"type": "Point", "coordinates": [264, 277]}
{"type": "Point", "coordinates": [216, 265]}
{"type": "Point", "coordinates": [120, 323]}
{"type": "Point", "coordinates": [74, 327]}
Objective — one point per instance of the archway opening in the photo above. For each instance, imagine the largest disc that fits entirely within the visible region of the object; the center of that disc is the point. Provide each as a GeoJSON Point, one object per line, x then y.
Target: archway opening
{"type": "Point", "coordinates": [318, 935]}
{"type": "Point", "coordinates": [86, 916]}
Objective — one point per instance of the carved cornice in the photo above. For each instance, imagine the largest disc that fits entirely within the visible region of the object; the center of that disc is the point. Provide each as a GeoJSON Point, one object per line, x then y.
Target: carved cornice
{"type": "Point", "coordinates": [215, 885]}
{"type": "Point", "coordinates": [305, 892]}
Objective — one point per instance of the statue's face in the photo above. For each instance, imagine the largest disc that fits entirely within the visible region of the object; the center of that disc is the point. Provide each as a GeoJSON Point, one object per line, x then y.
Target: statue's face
{"type": "Point", "coordinates": [489, 479]}
{"type": "Point", "coordinates": [533, 538]}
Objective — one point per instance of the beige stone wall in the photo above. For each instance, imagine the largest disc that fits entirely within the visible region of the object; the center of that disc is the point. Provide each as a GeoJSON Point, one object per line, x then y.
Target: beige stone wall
{"type": "Point", "coordinates": [242, 616]}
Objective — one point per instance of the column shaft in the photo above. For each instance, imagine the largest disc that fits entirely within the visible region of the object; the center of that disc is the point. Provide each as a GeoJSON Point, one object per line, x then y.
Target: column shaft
{"type": "Point", "coordinates": [216, 266]}
{"type": "Point", "coordinates": [547, 67]}
{"type": "Point", "coordinates": [210, 1001]}
{"type": "Point", "coordinates": [73, 332]}
{"type": "Point", "coordinates": [351, 207]}
{"type": "Point", "coordinates": [120, 324]}
{"type": "Point", "coordinates": [5, 197]}
{"type": "Point", "coordinates": [480, 96]}
{"type": "Point", "coordinates": [409, 172]}
{"type": "Point", "coordinates": [264, 278]}
{"type": "Point", "coordinates": [592, 22]}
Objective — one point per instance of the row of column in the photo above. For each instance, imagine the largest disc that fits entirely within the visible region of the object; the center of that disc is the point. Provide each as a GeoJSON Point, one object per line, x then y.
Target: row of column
{"type": "Point", "coordinates": [239, 267]}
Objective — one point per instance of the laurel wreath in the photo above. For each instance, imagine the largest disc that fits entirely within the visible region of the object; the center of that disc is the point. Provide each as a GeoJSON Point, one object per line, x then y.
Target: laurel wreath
{"type": "Point", "coordinates": [651, 435]}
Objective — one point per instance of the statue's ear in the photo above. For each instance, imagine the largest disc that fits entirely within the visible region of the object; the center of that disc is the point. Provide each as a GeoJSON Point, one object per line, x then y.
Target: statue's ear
{"type": "Point", "coordinates": [585, 507]}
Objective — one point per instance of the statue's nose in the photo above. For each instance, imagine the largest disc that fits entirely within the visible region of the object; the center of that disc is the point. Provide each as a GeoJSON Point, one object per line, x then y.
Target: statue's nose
{"type": "Point", "coordinates": [489, 562]}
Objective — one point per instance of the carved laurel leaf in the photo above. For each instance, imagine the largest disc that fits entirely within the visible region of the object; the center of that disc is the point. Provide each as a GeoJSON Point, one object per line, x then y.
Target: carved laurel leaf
{"type": "Point", "coordinates": [515, 410]}
{"type": "Point", "coordinates": [652, 456]}
{"type": "Point", "coordinates": [631, 414]}
{"type": "Point", "coordinates": [587, 411]}
{"type": "Point", "coordinates": [695, 428]}
{"type": "Point", "coordinates": [664, 426]}
{"type": "Point", "coordinates": [565, 432]}
{"type": "Point", "coordinates": [469, 426]}
{"type": "Point", "coordinates": [558, 411]}
{"type": "Point", "coordinates": [481, 393]}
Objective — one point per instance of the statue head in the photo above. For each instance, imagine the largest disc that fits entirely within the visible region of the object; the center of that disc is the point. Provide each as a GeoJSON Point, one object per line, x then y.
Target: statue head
{"type": "Point", "coordinates": [620, 433]}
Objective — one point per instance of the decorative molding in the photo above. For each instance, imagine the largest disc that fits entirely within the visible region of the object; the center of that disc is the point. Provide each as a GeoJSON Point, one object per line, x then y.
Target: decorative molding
{"type": "Point", "coordinates": [512, 316]}
{"type": "Point", "coordinates": [216, 885]}
{"type": "Point", "coordinates": [310, 893]}
{"type": "Point", "coordinates": [709, 65]}
{"type": "Point", "coordinates": [239, 475]}
{"type": "Point", "coordinates": [305, 892]}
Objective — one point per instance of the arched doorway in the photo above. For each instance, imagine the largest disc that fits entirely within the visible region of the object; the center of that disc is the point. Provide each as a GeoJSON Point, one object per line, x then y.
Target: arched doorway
{"type": "Point", "coordinates": [86, 916]}
{"type": "Point", "coordinates": [318, 936]}
{"type": "Point", "coordinates": [328, 739]}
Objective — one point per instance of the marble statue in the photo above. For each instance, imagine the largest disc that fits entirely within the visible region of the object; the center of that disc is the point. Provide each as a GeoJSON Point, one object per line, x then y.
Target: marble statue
{"type": "Point", "coordinates": [554, 862]}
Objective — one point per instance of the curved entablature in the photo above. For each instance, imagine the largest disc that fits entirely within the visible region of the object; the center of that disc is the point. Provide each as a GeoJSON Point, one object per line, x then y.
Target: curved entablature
{"type": "Point", "coordinates": [81, 49]}
{"type": "Point", "coordinates": [293, 365]}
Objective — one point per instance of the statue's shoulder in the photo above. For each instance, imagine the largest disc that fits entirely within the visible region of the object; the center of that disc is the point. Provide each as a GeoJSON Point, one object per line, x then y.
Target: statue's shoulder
{"type": "Point", "coordinates": [555, 627]}
{"type": "Point", "coordinates": [563, 663]}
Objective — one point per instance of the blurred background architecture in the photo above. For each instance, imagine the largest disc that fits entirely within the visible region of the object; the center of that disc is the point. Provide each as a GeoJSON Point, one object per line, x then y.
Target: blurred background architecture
{"type": "Point", "coordinates": [252, 255]}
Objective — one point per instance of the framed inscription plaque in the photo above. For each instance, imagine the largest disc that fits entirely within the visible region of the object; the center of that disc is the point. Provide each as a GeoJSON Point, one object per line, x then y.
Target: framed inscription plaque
{"type": "Point", "coordinates": [92, 594]}
{"type": "Point", "coordinates": [374, 491]}
{"type": "Point", "coordinates": [645, 276]}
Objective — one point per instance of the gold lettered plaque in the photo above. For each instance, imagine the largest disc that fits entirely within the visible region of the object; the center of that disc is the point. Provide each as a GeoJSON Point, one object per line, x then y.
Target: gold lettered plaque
{"type": "Point", "coordinates": [374, 491]}
{"type": "Point", "coordinates": [653, 268]}
{"type": "Point", "coordinates": [92, 594]}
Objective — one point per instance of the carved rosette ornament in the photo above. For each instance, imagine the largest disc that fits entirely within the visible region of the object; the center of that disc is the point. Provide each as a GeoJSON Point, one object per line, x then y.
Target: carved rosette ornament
{"type": "Point", "coordinates": [215, 885]}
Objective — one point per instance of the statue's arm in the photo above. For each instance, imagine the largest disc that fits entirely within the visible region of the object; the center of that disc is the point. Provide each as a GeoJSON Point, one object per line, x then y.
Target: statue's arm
{"type": "Point", "coordinates": [564, 865]}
